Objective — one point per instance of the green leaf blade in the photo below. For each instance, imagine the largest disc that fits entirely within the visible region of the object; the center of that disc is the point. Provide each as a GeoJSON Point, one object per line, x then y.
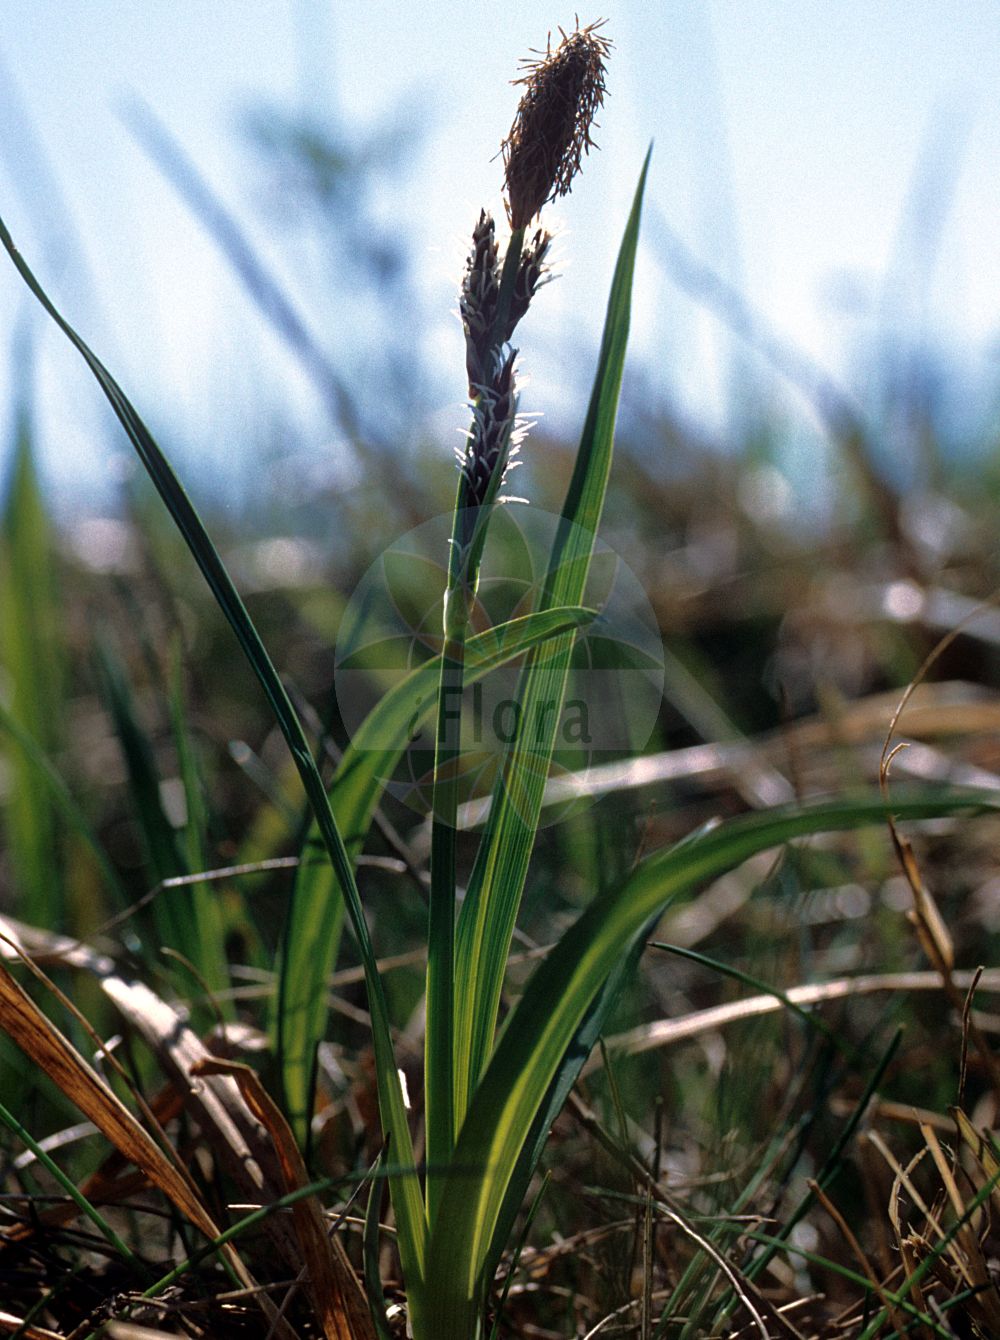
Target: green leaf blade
{"type": "Point", "coordinates": [555, 1002]}
{"type": "Point", "coordinates": [315, 913]}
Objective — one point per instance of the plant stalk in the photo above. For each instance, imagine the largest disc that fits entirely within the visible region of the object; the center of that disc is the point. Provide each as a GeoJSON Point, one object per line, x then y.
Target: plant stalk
{"type": "Point", "coordinates": [471, 520]}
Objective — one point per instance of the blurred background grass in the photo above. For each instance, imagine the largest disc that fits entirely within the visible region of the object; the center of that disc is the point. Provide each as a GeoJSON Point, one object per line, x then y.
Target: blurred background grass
{"type": "Point", "coordinates": [836, 169]}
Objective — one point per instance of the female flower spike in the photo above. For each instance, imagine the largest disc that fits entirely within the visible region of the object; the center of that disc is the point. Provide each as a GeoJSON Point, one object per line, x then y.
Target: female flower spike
{"type": "Point", "coordinates": [551, 131]}
{"type": "Point", "coordinates": [542, 154]}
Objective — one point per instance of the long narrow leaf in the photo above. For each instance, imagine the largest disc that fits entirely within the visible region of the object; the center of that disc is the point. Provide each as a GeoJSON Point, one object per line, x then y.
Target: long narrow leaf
{"type": "Point", "coordinates": [370, 1249]}
{"type": "Point", "coordinates": [312, 928]}
{"type": "Point", "coordinates": [574, 1057]}
{"type": "Point", "coordinates": [556, 999]}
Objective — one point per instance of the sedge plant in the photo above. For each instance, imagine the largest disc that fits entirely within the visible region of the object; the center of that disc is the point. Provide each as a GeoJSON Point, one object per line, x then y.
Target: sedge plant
{"type": "Point", "coordinates": [491, 1091]}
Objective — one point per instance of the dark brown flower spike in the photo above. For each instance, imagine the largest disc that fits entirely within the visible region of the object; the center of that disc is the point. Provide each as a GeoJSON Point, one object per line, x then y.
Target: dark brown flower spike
{"type": "Point", "coordinates": [532, 273]}
{"type": "Point", "coordinates": [479, 298]}
{"type": "Point", "coordinates": [551, 131]}
{"type": "Point", "coordinates": [550, 134]}
{"type": "Point", "coordinates": [477, 304]}
{"type": "Point", "coordinates": [493, 438]}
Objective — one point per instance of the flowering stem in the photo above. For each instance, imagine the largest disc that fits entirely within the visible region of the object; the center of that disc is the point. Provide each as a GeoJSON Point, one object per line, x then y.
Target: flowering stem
{"type": "Point", "coordinates": [542, 154]}
{"type": "Point", "coordinates": [508, 278]}
{"type": "Point", "coordinates": [439, 1076]}
{"type": "Point", "coordinates": [473, 506]}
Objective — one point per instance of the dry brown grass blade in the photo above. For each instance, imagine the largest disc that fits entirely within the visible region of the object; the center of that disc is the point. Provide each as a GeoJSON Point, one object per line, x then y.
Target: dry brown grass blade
{"type": "Point", "coordinates": [851, 1239]}
{"type": "Point", "coordinates": [128, 1330]}
{"type": "Point", "coordinates": [961, 1269]}
{"type": "Point", "coordinates": [906, 1114]}
{"type": "Point", "coordinates": [932, 932]}
{"type": "Point", "coordinates": [337, 1296]}
{"type": "Point", "coordinates": [668, 1032]}
{"type": "Point", "coordinates": [980, 1150]}
{"type": "Point", "coordinates": [238, 1140]}
{"type": "Point", "coordinates": [901, 1179]}
{"type": "Point", "coordinates": [964, 1249]}
{"type": "Point", "coordinates": [235, 1135]}
{"type": "Point", "coordinates": [215, 1102]}
{"type": "Point", "coordinates": [934, 936]}
{"type": "Point", "coordinates": [936, 942]}
{"type": "Point", "coordinates": [11, 1325]}
{"type": "Point", "coordinates": [46, 1047]}
{"type": "Point", "coordinates": [112, 1182]}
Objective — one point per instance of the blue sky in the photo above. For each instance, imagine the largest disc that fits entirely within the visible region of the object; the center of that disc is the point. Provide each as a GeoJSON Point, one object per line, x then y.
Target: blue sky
{"type": "Point", "coordinates": [836, 160]}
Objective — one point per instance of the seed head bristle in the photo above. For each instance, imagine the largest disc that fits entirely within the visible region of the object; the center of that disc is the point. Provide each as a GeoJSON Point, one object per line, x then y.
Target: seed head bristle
{"type": "Point", "coordinates": [551, 131]}
{"type": "Point", "coordinates": [479, 298]}
{"type": "Point", "coordinates": [493, 433]}
{"type": "Point", "coordinates": [532, 273]}
{"type": "Point", "coordinates": [477, 303]}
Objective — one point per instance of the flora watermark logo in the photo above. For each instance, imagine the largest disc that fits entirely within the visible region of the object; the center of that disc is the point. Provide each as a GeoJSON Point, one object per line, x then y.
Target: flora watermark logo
{"type": "Point", "coordinates": [595, 682]}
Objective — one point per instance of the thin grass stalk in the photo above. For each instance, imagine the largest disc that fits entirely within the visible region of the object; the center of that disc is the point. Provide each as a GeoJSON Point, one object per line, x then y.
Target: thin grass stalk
{"type": "Point", "coordinates": [475, 499]}
{"type": "Point", "coordinates": [824, 1176]}
{"type": "Point", "coordinates": [440, 983]}
{"type": "Point", "coordinates": [927, 1265]}
{"type": "Point", "coordinates": [85, 1207]}
{"type": "Point", "coordinates": [846, 1273]}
